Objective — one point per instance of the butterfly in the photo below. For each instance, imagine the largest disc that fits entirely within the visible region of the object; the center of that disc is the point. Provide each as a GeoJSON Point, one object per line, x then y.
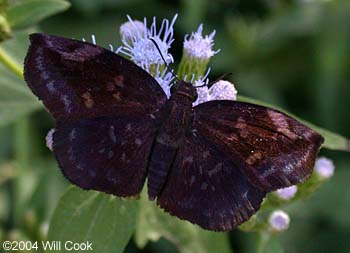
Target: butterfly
{"type": "Point", "coordinates": [211, 164]}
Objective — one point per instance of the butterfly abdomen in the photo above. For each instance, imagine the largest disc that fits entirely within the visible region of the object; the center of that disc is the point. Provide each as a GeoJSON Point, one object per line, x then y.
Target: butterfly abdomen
{"type": "Point", "coordinates": [176, 120]}
{"type": "Point", "coordinates": [159, 167]}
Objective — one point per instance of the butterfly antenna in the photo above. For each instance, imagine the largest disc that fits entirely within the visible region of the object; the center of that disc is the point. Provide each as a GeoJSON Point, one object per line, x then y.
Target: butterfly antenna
{"type": "Point", "coordinates": [166, 64]}
{"type": "Point", "coordinates": [216, 80]}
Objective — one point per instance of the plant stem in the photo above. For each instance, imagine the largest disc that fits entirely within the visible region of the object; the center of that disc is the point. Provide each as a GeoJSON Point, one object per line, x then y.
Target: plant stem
{"type": "Point", "coordinates": [10, 63]}
{"type": "Point", "coordinates": [263, 238]}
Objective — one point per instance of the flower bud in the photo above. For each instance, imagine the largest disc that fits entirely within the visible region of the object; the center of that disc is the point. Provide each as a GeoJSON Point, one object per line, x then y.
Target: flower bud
{"type": "Point", "coordinates": [223, 90]}
{"type": "Point", "coordinates": [49, 139]}
{"type": "Point", "coordinates": [196, 54]}
{"type": "Point", "coordinates": [279, 221]}
{"type": "Point", "coordinates": [287, 193]}
{"type": "Point", "coordinates": [324, 168]}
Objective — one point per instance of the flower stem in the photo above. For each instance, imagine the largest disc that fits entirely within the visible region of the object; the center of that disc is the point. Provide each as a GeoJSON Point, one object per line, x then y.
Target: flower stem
{"type": "Point", "coordinates": [263, 239]}
{"type": "Point", "coordinates": [10, 63]}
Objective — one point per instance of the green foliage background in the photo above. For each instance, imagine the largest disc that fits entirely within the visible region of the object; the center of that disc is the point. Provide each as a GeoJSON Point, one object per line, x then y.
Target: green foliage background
{"type": "Point", "coordinates": [293, 54]}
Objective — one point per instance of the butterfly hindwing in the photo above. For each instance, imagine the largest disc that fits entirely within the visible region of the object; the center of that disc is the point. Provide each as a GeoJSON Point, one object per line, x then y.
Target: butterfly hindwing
{"type": "Point", "coordinates": [272, 149]}
{"type": "Point", "coordinates": [207, 188]}
{"type": "Point", "coordinates": [79, 80]}
{"type": "Point", "coordinates": [105, 154]}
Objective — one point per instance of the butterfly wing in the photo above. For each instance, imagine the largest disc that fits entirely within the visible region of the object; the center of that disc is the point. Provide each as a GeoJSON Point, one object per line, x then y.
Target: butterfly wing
{"type": "Point", "coordinates": [206, 188]}
{"type": "Point", "coordinates": [78, 80]}
{"type": "Point", "coordinates": [234, 154]}
{"type": "Point", "coordinates": [105, 108]}
{"type": "Point", "coordinates": [271, 148]}
{"type": "Point", "coordinates": [106, 154]}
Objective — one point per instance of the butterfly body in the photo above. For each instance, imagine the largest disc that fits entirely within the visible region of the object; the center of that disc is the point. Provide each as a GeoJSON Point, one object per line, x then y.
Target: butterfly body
{"type": "Point", "coordinates": [211, 164]}
{"type": "Point", "coordinates": [176, 120]}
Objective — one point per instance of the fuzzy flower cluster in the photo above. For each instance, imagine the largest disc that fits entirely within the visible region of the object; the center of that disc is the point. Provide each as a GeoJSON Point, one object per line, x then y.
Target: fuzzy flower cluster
{"type": "Point", "coordinates": [221, 90]}
{"type": "Point", "coordinates": [197, 46]}
{"type": "Point", "coordinates": [137, 44]}
{"type": "Point", "coordinates": [138, 47]}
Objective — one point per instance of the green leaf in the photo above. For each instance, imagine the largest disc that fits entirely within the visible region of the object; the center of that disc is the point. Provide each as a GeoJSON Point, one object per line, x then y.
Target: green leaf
{"type": "Point", "coordinates": [3, 5]}
{"type": "Point", "coordinates": [30, 12]}
{"type": "Point", "coordinates": [153, 223]}
{"type": "Point", "coordinates": [332, 140]}
{"type": "Point", "coordinates": [106, 221]}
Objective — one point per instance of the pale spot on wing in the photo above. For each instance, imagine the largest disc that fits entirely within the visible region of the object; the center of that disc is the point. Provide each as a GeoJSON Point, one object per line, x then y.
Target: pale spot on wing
{"type": "Point", "coordinates": [269, 171]}
{"type": "Point", "coordinates": [242, 128]}
{"type": "Point", "coordinates": [281, 124]}
{"type": "Point", "coordinates": [51, 86]}
{"type": "Point", "coordinates": [194, 132]}
{"type": "Point", "coordinates": [67, 103]}
{"type": "Point", "coordinates": [88, 101]}
{"type": "Point", "coordinates": [253, 157]}
{"type": "Point", "coordinates": [44, 75]}
{"type": "Point", "coordinates": [39, 59]}
{"type": "Point", "coordinates": [112, 134]}
{"type": "Point", "coordinates": [71, 155]}
{"type": "Point", "coordinates": [79, 167]}
{"type": "Point", "coordinates": [204, 186]}
{"type": "Point", "coordinates": [72, 134]}
{"type": "Point", "coordinates": [288, 168]}
{"type": "Point", "coordinates": [206, 154]}
{"type": "Point", "coordinates": [117, 96]}
{"type": "Point", "coordinates": [138, 142]}
{"type": "Point", "coordinates": [215, 170]}
{"type": "Point", "coordinates": [188, 159]}
{"type": "Point", "coordinates": [128, 127]}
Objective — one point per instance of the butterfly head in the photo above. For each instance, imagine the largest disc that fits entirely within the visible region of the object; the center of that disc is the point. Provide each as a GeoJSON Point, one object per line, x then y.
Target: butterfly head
{"type": "Point", "coordinates": [186, 89]}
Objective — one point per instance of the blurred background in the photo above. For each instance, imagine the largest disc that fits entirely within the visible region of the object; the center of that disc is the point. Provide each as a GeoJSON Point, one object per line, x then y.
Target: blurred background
{"type": "Point", "coordinates": [290, 53]}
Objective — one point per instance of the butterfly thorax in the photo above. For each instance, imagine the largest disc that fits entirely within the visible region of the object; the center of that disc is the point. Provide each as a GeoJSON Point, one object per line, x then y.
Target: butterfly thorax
{"type": "Point", "coordinates": [176, 120]}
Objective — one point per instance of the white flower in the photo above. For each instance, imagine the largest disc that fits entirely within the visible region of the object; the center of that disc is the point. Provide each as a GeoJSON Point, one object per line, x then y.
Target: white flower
{"type": "Point", "coordinates": [197, 46]}
{"type": "Point", "coordinates": [324, 167]}
{"type": "Point", "coordinates": [279, 221]}
{"type": "Point", "coordinates": [93, 39]}
{"type": "Point", "coordinates": [287, 193]}
{"type": "Point", "coordinates": [202, 89]}
{"type": "Point", "coordinates": [203, 95]}
{"type": "Point", "coordinates": [164, 79]}
{"type": "Point", "coordinates": [223, 90]}
{"type": "Point", "coordinates": [49, 139]}
{"type": "Point", "coordinates": [132, 28]}
{"type": "Point", "coordinates": [138, 46]}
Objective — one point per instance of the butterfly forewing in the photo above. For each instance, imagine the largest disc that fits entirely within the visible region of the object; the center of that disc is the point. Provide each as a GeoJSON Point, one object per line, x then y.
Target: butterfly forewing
{"type": "Point", "coordinates": [207, 188]}
{"type": "Point", "coordinates": [105, 108]}
{"type": "Point", "coordinates": [78, 80]}
{"type": "Point", "coordinates": [269, 147]}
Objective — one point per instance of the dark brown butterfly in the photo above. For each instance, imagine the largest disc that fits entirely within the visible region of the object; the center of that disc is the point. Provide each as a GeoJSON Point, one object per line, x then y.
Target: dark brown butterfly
{"type": "Point", "coordinates": [211, 164]}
